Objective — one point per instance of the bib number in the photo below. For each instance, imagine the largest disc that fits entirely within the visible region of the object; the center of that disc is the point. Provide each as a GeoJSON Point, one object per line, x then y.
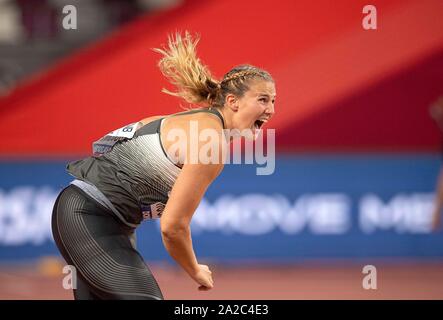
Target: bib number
{"type": "Point", "coordinates": [125, 132]}
{"type": "Point", "coordinates": [106, 143]}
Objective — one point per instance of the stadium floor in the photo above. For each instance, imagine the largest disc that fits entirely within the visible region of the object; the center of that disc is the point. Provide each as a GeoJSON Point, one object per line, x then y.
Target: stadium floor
{"type": "Point", "coordinates": [406, 280]}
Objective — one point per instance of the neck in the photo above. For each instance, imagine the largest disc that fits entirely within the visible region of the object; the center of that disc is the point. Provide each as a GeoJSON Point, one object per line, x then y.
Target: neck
{"type": "Point", "coordinates": [227, 117]}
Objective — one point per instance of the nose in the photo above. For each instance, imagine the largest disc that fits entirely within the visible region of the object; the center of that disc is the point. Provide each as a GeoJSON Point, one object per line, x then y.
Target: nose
{"type": "Point", "coordinates": [270, 110]}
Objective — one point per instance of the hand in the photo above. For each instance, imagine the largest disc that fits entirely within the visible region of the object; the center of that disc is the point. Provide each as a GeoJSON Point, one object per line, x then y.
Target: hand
{"type": "Point", "coordinates": [204, 278]}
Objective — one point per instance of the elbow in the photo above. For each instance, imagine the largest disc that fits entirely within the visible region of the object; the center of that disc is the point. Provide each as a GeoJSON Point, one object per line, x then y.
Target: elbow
{"type": "Point", "coordinates": [171, 232]}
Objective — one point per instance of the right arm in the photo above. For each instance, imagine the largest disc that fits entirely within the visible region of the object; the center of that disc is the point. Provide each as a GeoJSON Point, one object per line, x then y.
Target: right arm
{"type": "Point", "coordinates": [186, 194]}
{"type": "Point", "coordinates": [176, 218]}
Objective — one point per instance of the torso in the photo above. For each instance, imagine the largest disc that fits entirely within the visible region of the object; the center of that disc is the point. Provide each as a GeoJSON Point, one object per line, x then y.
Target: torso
{"type": "Point", "coordinates": [177, 121]}
{"type": "Point", "coordinates": [135, 174]}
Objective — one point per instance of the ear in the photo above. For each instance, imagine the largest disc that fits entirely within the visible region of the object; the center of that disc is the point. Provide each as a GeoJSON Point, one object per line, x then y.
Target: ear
{"type": "Point", "coordinates": [232, 102]}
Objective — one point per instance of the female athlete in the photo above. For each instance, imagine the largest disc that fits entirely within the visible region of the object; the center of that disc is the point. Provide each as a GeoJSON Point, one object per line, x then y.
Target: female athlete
{"type": "Point", "coordinates": [137, 173]}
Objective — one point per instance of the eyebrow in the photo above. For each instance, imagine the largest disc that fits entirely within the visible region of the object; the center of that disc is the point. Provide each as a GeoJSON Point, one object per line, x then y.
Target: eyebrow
{"type": "Point", "coordinates": [266, 94]}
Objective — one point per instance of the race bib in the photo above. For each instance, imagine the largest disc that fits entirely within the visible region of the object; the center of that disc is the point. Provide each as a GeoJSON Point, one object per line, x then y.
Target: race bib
{"type": "Point", "coordinates": [106, 143]}
{"type": "Point", "coordinates": [125, 132]}
{"type": "Point", "coordinates": [152, 211]}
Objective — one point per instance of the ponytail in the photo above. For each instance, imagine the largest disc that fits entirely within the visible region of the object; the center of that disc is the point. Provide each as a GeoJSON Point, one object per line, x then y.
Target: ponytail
{"type": "Point", "coordinates": [181, 66]}
{"type": "Point", "coordinates": [194, 81]}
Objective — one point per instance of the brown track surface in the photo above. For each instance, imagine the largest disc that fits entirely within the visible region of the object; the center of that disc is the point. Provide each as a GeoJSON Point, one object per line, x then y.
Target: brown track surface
{"type": "Point", "coordinates": [408, 280]}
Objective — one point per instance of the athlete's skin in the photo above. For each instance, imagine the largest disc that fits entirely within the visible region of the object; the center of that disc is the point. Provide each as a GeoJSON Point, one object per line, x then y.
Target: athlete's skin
{"type": "Point", "coordinates": [238, 113]}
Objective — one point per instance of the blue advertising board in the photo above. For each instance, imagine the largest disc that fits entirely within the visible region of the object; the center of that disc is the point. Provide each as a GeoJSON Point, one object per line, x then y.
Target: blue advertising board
{"type": "Point", "coordinates": [312, 206]}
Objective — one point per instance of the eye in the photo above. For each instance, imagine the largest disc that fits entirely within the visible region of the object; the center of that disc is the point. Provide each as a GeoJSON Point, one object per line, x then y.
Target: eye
{"type": "Point", "coordinates": [263, 99]}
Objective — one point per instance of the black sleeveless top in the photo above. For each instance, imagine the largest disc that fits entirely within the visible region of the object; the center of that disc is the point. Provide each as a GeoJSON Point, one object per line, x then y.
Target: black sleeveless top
{"type": "Point", "coordinates": [131, 168]}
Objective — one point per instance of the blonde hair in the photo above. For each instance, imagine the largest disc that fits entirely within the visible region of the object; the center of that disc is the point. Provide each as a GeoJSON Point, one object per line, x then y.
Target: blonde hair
{"type": "Point", "coordinates": [193, 80]}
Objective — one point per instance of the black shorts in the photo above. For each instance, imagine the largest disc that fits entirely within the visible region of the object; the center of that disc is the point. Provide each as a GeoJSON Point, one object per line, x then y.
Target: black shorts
{"type": "Point", "coordinates": [99, 246]}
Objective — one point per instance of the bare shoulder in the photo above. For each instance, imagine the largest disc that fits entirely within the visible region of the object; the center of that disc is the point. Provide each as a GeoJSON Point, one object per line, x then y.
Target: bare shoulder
{"type": "Point", "coordinates": [195, 138]}
{"type": "Point", "coordinates": [209, 120]}
{"type": "Point", "coordinates": [150, 119]}
{"type": "Point", "coordinates": [204, 120]}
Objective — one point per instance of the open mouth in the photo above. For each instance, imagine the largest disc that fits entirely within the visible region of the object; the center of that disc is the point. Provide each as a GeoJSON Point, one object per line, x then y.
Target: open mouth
{"type": "Point", "coordinates": [258, 124]}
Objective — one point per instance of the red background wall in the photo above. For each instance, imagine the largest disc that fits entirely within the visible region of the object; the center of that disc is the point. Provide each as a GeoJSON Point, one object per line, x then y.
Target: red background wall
{"type": "Point", "coordinates": [339, 87]}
